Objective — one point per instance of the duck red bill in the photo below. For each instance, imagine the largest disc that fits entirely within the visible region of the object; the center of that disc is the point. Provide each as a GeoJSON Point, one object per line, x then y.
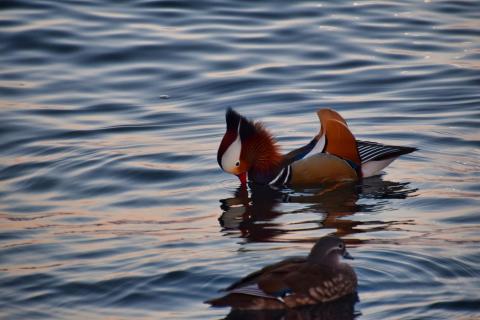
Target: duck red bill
{"type": "Point", "coordinates": [243, 178]}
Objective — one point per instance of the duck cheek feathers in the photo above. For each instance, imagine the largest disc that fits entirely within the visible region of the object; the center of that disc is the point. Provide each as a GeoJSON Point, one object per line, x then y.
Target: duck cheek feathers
{"type": "Point", "coordinates": [231, 157]}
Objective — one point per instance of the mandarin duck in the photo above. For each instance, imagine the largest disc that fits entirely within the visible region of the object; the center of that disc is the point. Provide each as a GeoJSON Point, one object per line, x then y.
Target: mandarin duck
{"type": "Point", "coordinates": [295, 282]}
{"type": "Point", "coordinates": [249, 150]}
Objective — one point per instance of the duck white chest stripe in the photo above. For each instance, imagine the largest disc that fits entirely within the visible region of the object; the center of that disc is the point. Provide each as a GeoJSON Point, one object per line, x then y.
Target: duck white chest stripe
{"type": "Point", "coordinates": [275, 180]}
{"type": "Point", "coordinates": [283, 176]}
{"type": "Point", "coordinates": [287, 176]}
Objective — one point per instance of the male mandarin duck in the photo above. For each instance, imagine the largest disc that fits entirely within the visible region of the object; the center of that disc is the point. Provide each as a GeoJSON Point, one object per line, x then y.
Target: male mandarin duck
{"type": "Point", "coordinates": [248, 149]}
{"type": "Point", "coordinates": [294, 282]}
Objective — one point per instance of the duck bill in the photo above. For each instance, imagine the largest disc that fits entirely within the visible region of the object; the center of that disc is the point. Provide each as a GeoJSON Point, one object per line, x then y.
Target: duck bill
{"type": "Point", "coordinates": [347, 255]}
{"type": "Point", "coordinates": [243, 178]}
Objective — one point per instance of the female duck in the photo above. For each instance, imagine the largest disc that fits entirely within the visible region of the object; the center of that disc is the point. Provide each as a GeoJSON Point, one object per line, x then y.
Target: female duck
{"type": "Point", "coordinates": [320, 277]}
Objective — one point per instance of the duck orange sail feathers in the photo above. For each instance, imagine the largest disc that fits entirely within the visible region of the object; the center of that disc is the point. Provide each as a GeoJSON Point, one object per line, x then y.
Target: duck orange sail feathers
{"type": "Point", "coordinates": [248, 149]}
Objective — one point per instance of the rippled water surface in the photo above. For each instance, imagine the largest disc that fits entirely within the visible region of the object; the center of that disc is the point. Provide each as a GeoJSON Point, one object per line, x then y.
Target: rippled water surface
{"type": "Point", "coordinates": [112, 204]}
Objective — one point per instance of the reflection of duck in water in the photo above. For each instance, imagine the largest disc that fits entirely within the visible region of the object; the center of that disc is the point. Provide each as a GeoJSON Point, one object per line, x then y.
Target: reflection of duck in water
{"type": "Point", "coordinates": [320, 277]}
{"type": "Point", "coordinates": [253, 213]}
{"type": "Point", "coordinates": [341, 309]}
{"type": "Point", "coordinates": [332, 155]}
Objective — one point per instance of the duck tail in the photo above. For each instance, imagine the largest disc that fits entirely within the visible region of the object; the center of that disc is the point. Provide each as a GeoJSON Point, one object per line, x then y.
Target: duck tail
{"type": "Point", "coordinates": [376, 156]}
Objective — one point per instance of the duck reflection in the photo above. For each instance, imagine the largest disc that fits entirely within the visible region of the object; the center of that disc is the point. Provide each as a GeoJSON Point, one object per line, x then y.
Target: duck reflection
{"type": "Point", "coordinates": [254, 213]}
{"type": "Point", "coordinates": [342, 309]}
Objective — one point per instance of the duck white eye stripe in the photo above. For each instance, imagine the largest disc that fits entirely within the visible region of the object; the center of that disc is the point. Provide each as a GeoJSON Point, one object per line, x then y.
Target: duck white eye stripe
{"type": "Point", "coordinates": [232, 154]}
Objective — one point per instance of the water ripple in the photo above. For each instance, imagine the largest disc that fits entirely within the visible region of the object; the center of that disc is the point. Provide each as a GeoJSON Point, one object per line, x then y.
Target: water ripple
{"type": "Point", "coordinates": [112, 203]}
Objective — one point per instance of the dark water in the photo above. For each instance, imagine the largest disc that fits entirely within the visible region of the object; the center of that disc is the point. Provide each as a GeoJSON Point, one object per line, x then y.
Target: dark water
{"type": "Point", "coordinates": [111, 201]}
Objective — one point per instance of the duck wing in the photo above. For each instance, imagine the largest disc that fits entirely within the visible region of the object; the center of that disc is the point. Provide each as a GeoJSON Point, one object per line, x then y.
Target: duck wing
{"type": "Point", "coordinates": [262, 289]}
{"type": "Point", "coordinates": [334, 137]}
{"type": "Point", "coordinates": [339, 139]}
{"type": "Point", "coordinates": [278, 268]}
{"type": "Point", "coordinates": [314, 284]}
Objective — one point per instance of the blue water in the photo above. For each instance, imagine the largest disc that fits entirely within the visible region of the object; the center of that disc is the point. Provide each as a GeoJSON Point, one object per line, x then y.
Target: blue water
{"type": "Point", "coordinates": [112, 204]}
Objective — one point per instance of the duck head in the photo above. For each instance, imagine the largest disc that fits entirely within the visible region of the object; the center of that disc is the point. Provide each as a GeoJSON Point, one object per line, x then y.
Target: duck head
{"type": "Point", "coordinates": [328, 251]}
{"type": "Point", "coordinates": [246, 147]}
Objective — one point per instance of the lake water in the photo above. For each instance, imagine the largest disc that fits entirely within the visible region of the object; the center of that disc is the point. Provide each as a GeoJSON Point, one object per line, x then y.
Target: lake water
{"type": "Point", "coordinates": [112, 204]}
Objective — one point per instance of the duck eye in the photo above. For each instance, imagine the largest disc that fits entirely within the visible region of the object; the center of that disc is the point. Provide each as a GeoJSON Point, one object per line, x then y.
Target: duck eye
{"type": "Point", "coordinates": [237, 164]}
{"type": "Point", "coordinates": [340, 246]}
